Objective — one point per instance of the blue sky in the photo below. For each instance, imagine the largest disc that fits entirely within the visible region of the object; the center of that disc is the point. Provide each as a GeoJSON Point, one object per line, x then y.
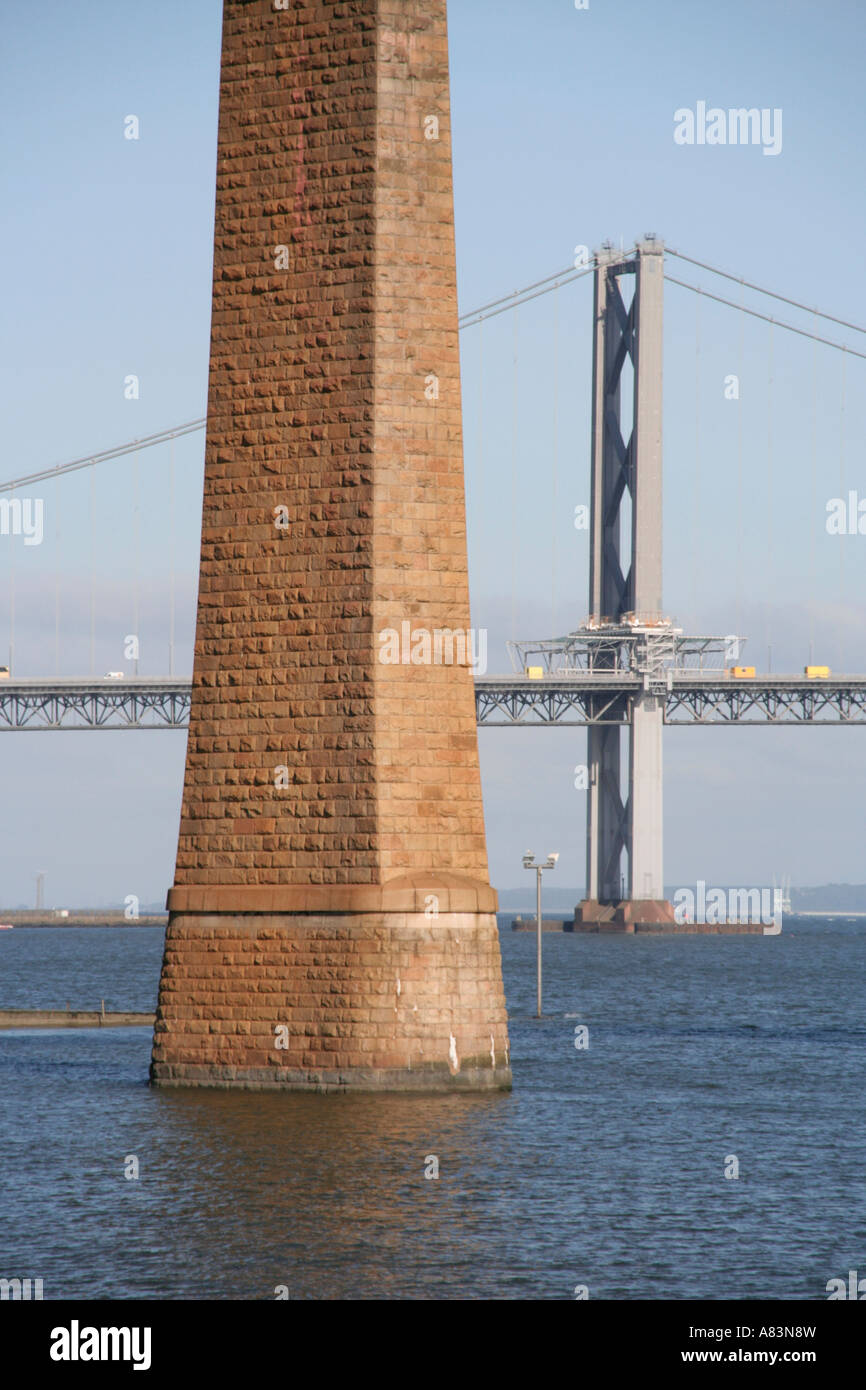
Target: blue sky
{"type": "Point", "coordinates": [563, 135]}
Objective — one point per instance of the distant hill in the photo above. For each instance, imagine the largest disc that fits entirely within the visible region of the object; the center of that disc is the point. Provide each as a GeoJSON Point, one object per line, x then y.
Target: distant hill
{"type": "Point", "coordinates": [830, 897]}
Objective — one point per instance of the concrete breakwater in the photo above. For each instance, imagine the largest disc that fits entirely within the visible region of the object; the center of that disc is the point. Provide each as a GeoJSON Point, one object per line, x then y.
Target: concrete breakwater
{"type": "Point", "coordinates": [611, 928]}
{"type": "Point", "coordinates": [71, 1018]}
{"type": "Point", "coordinates": [50, 917]}
{"type": "Point", "coordinates": [547, 924]}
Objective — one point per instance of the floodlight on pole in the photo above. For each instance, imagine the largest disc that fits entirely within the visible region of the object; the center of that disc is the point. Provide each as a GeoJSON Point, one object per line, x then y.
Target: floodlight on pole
{"type": "Point", "coordinates": [529, 863]}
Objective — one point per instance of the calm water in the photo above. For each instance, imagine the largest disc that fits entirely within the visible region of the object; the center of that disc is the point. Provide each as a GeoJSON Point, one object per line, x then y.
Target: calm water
{"type": "Point", "coordinates": [604, 1167]}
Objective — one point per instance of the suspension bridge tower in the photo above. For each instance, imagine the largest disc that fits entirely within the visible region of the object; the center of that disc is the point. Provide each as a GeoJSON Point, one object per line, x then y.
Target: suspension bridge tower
{"type": "Point", "coordinates": [625, 592]}
{"type": "Point", "coordinates": [331, 924]}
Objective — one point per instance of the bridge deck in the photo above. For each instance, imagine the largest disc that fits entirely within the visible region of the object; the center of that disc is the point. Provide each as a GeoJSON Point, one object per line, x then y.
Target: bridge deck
{"type": "Point", "coordinates": [162, 702]}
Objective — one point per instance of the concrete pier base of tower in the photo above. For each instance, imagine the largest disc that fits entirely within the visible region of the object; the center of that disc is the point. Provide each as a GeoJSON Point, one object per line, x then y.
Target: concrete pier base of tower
{"type": "Point", "coordinates": [396, 987]}
{"type": "Point", "coordinates": [656, 915]}
{"type": "Point", "coordinates": [628, 915]}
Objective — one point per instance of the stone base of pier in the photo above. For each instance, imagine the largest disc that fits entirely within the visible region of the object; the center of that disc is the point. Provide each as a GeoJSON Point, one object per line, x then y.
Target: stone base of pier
{"type": "Point", "coordinates": [333, 988]}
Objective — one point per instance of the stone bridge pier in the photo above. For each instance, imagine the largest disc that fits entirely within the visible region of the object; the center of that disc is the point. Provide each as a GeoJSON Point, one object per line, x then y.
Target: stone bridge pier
{"type": "Point", "coordinates": [332, 925]}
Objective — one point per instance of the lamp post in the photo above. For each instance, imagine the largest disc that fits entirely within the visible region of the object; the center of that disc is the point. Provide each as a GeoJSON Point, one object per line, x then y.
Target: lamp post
{"type": "Point", "coordinates": [529, 863]}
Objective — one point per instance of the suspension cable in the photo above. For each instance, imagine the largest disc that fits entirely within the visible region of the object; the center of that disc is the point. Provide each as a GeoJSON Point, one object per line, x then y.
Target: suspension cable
{"type": "Point", "coordinates": [747, 284]}
{"type": "Point", "coordinates": [767, 318]}
{"type": "Point", "coordinates": [118, 452]}
{"type": "Point", "coordinates": [547, 285]}
{"type": "Point", "coordinates": [518, 297]}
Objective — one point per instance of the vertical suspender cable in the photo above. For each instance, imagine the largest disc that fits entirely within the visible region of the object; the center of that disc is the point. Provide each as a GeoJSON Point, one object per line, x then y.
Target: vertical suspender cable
{"type": "Point", "coordinates": [770, 589]}
{"type": "Point", "coordinates": [171, 547]}
{"type": "Point", "coordinates": [92, 575]}
{"type": "Point", "coordinates": [812, 504]}
{"type": "Point", "coordinates": [12, 599]}
{"type": "Point", "coordinates": [844, 495]}
{"type": "Point", "coordinates": [475, 527]}
{"type": "Point", "coordinates": [56, 578]}
{"type": "Point", "coordinates": [554, 499]}
{"type": "Point", "coordinates": [697, 458]}
{"type": "Point", "coordinates": [136, 557]}
{"type": "Point", "coordinates": [514, 477]}
{"type": "Point", "coordinates": [739, 591]}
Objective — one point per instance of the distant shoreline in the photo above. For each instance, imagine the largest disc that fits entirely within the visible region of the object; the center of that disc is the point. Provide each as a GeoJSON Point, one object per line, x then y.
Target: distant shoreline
{"type": "Point", "coordinates": [835, 912]}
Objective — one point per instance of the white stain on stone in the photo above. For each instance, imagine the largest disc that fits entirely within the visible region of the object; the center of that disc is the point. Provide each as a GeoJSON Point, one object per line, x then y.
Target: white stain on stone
{"type": "Point", "coordinates": [452, 1054]}
{"type": "Point", "coordinates": [398, 984]}
{"type": "Point", "coordinates": [492, 1052]}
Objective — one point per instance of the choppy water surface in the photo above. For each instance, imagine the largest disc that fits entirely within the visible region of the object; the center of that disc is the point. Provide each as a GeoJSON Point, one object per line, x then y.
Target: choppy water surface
{"type": "Point", "coordinates": [603, 1167]}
